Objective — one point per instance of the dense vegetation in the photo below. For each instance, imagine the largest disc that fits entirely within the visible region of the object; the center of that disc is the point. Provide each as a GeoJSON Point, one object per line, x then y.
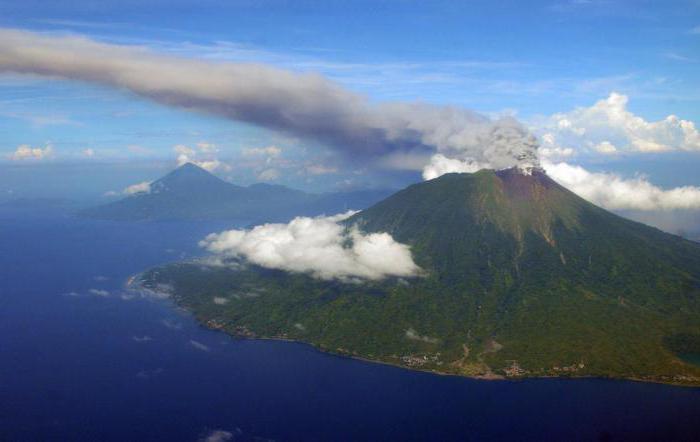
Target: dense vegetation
{"type": "Point", "coordinates": [523, 278]}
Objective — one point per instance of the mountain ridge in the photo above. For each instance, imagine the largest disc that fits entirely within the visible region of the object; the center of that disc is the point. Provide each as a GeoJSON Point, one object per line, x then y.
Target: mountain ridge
{"type": "Point", "coordinates": [191, 193]}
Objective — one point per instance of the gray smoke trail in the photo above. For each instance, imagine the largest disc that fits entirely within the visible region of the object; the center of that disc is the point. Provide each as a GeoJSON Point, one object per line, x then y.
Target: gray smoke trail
{"type": "Point", "coordinates": [305, 105]}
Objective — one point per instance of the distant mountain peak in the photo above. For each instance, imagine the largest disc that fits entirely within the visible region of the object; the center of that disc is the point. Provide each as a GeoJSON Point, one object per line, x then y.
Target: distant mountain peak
{"type": "Point", "coordinates": [190, 169]}
{"type": "Point", "coordinates": [191, 192]}
{"type": "Point", "coordinates": [188, 165]}
{"type": "Point", "coordinates": [188, 177]}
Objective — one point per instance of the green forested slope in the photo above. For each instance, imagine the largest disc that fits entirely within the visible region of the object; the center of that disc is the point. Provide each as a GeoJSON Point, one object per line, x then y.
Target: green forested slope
{"type": "Point", "coordinates": [522, 278]}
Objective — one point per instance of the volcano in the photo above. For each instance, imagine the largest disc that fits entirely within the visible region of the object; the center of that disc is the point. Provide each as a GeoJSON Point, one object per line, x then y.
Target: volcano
{"type": "Point", "coordinates": [192, 193]}
{"type": "Point", "coordinates": [521, 277]}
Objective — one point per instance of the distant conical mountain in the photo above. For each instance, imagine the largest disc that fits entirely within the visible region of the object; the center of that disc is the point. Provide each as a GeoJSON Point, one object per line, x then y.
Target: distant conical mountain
{"type": "Point", "coordinates": [191, 193]}
{"type": "Point", "coordinates": [190, 178]}
{"type": "Point", "coordinates": [522, 278]}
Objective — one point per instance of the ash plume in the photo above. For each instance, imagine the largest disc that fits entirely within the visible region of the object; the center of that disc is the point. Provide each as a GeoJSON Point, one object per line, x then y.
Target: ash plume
{"type": "Point", "coordinates": [303, 104]}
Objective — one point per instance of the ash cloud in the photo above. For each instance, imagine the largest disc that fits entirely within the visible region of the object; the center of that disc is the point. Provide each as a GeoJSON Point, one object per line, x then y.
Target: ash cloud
{"type": "Point", "coordinates": [438, 139]}
{"type": "Point", "coordinates": [303, 104]}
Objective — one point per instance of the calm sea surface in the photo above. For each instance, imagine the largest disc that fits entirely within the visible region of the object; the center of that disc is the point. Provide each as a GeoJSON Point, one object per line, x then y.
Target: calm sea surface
{"type": "Point", "coordinates": [82, 360]}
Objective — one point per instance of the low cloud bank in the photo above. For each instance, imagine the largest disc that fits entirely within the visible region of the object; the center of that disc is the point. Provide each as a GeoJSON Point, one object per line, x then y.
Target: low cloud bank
{"type": "Point", "coordinates": [320, 246]}
{"type": "Point", "coordinates": [27, 152]}
{"type": "Point", "coordinates": [605, 189]}
{"type": "Point", "coordinates": [143, 187]}
{"type": "Point", "coordinates": [611, 191]}
{"type": "Point", "coordinates": [138, 188]}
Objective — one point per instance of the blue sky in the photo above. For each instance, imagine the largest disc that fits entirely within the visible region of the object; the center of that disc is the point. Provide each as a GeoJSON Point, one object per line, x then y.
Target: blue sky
{"type": "Point", "coordinates": [531, 60]}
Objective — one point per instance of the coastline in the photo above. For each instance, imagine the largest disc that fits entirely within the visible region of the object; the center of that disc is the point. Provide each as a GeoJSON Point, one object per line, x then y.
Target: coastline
{"type": "Point", "coordinates": [132, 284]}
{"type": "Point", "coordinates": [492, 377]}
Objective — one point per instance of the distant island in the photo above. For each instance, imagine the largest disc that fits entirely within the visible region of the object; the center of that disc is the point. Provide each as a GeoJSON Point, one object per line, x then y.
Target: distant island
{"type": "Point", "coordinates": [521, 278]}
{"type": "Point", "coordinates": [191, 193]}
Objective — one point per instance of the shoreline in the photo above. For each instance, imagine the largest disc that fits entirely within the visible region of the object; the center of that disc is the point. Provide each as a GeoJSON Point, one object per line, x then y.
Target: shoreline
{"type": "Point", "coordinates": [495, 377]}
{"type": "Point", "coordinates": [492, 377]}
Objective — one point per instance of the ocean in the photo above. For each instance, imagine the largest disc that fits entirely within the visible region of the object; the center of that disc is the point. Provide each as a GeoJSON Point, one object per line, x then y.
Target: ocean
{"type": "Point", "coordinates": [81, 359]}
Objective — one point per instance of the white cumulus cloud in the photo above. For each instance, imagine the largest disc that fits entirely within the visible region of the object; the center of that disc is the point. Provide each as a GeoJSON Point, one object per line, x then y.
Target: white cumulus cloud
{"type": "Point", "coordinates": [605, 147]}
{"type": "Point", "coordinates": [204, 155]}
{"type": "Point", "coordinates": [143, 187]}
{"type": "Point", "coordinates": [27, 152]}
{"type": "Point", "coordinates": [320, 246]}
{"type": "Point", "coordinates": [608, 127]}
{"type": "Point", "coordinates": [439, 165]}
{"type": "Point", "coordinates": [614, 192]}
{"type": "Point", "coordinates": [549, 149]}
{"type": "Point", "coordinates": [270, 174]}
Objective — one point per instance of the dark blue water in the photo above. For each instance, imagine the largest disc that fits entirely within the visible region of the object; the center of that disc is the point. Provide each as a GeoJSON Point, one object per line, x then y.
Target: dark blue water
{"type": "Point", "coordinates": [80, 362]}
